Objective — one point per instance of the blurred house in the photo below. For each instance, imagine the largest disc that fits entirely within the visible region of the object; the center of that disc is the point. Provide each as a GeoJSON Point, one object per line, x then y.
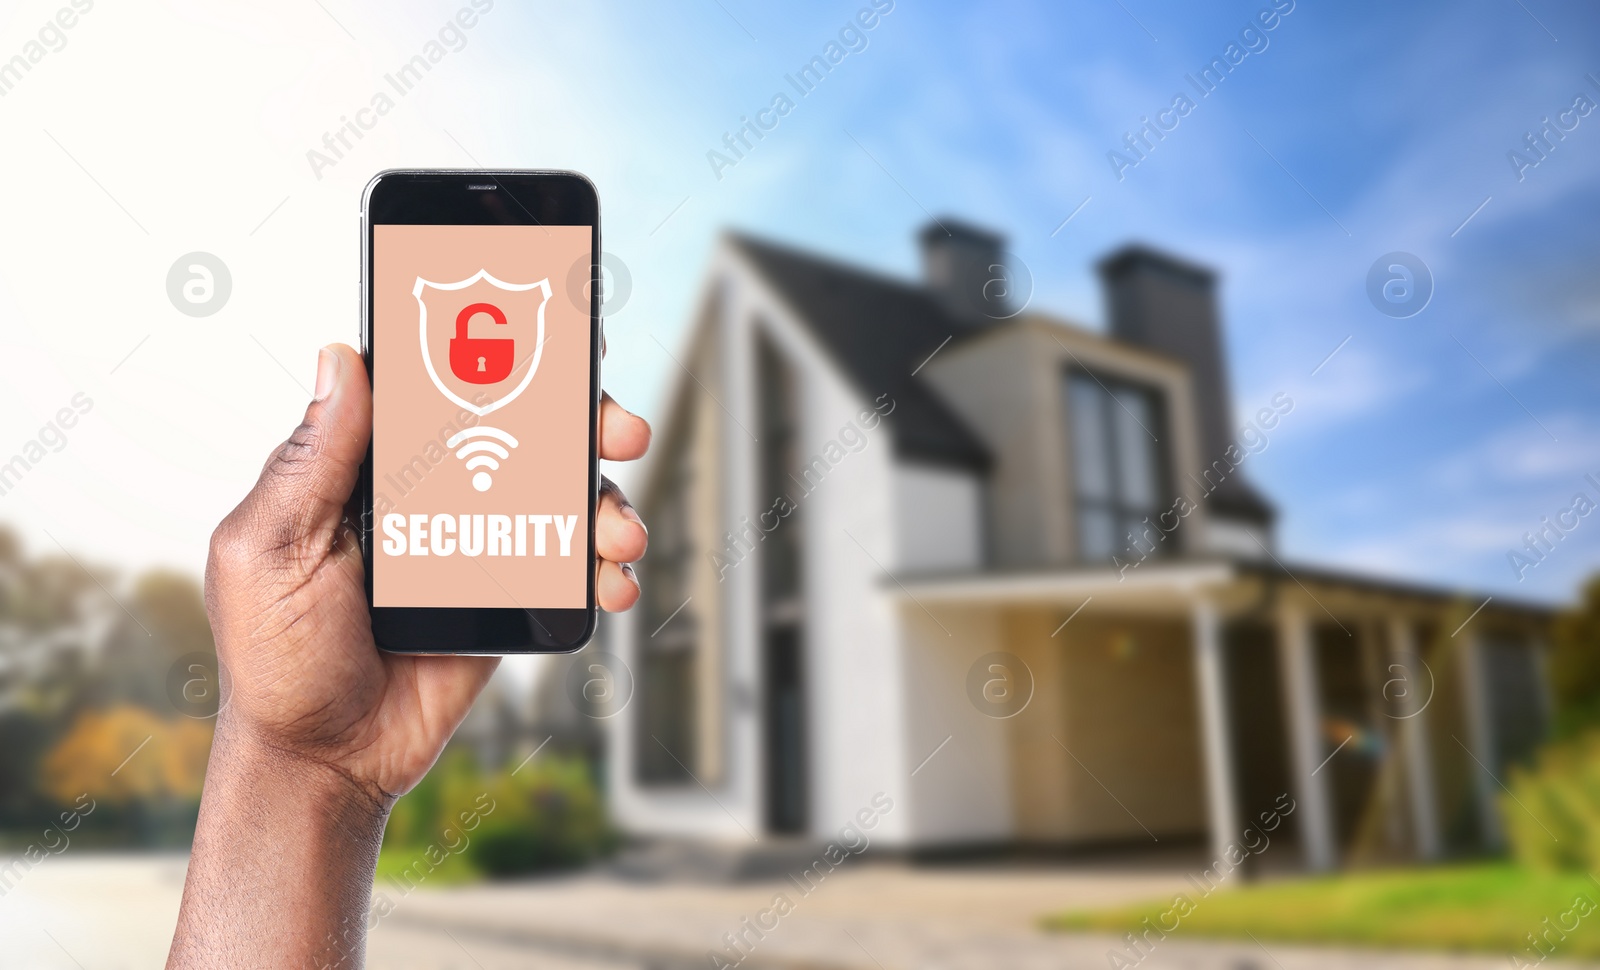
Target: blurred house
{"type": "Point", "coordinates": [1009, 571]}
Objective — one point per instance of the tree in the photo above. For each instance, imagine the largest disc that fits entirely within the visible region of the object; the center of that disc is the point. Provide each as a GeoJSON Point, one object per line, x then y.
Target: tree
{"type": "Point", "coordinates": [137, 656]}
{"type": "Point", "coordinates": [85, 708]}
{"type": "Point", "coordinates": [126, 754]}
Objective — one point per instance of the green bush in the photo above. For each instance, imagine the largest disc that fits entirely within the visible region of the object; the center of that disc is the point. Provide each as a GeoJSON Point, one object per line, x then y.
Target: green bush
{"type": "Point", "coordinates": [547, 816]}
{"type": "Point", "coordinates": [1552, 815]}
{"type": "Point", "coordinates": [419, 817]}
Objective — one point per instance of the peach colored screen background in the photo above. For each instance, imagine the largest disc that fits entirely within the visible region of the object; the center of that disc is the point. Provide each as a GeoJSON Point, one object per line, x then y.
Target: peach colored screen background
{"type": "Point", "coordinates": [547, 473]}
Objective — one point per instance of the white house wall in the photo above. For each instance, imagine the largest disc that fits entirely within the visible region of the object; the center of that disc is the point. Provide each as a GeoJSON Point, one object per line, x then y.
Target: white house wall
{"type": "Point", "coordinates": [938, 518]}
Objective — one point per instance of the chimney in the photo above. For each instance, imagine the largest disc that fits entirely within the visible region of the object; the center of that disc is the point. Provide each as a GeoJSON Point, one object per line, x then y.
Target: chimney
{"type": "Point", "coordinates": [964, 268]}
{"type": "Point", "coordinates": [1170, 306]}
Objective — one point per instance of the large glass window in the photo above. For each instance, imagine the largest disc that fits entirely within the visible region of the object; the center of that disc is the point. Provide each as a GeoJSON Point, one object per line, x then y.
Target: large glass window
{"type": "Point", "coordinates": [1116, 462]}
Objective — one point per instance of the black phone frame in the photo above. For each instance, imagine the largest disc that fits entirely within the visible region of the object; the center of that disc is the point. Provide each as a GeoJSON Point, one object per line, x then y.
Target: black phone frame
{"type": "Point", "coordinates": [447, 197]}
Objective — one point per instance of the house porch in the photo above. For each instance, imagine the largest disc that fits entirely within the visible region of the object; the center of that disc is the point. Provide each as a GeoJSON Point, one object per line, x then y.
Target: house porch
{"type": "Point", "coordinates": [1196, 701]}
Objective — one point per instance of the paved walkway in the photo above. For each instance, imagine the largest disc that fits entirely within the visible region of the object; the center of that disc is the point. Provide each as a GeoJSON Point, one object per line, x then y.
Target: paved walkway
{"type": "Point", "coordinates": [85, 912]}
{"type": "Point", "coordinates": [875, 917]}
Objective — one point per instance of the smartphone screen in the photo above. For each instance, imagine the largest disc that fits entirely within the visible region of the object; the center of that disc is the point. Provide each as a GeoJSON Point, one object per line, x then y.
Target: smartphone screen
{"type": "Point", "coordinates": [481, 341]}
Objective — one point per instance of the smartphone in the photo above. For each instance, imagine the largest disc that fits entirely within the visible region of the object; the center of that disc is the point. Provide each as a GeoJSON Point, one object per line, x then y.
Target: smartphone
{"type": "Point", "coordinates": [481, 334]}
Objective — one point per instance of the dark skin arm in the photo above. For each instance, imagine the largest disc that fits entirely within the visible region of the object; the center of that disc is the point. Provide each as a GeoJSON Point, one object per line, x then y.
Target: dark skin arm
{"type": "Point", "coordinates": [322, 732]}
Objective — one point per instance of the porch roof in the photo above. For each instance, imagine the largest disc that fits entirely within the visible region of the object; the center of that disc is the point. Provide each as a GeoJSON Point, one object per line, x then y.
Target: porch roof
{"type": "Point", "coordinates": [1180, 577]}
{"type": "Point", "coordinates": [1181, 580]}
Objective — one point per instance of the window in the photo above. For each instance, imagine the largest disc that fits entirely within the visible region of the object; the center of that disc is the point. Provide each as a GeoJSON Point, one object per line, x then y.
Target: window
{"type": "Point", "coordinates": [783, 660]}
{"type": "Point", "coordinates": [1116, 465]}
{"type": "Point", "coordinates": [779, 472]}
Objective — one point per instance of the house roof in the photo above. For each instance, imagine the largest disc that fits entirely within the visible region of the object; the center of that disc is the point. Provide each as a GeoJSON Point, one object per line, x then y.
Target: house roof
{"type": "Point", "coordinates": [878, 330]}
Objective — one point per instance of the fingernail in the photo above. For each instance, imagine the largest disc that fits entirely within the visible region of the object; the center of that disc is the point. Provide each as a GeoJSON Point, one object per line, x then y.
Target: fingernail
{"type": "Point", "coordinates": [627, 570]}
{"type": "Point", "coordinates": [632, 515]}
{"type": "Point", "coordinates": [327, 370]}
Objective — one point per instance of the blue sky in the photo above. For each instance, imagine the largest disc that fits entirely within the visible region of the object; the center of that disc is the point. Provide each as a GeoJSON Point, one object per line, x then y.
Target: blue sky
{"type": "Point", "coordinates": [1361, 129]}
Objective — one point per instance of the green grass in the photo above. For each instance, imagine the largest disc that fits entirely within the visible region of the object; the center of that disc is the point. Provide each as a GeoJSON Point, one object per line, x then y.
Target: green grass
{"type": "Point", "coordinates": [1487, 908]}
{"type": "Point", "coordinates": [410, 865]}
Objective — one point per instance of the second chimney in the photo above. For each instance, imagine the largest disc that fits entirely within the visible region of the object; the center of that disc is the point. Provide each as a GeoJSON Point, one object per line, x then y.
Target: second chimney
{"type": "Point", "coordinates": [1170, 306]}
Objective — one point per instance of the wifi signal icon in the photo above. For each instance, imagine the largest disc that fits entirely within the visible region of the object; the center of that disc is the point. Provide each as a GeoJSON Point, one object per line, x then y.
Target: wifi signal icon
{"type": "Point", "coordinates": [483, 453]}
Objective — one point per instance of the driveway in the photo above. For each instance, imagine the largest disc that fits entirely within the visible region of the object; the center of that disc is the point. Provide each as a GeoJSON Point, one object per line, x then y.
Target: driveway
{"type": "Point", "coordinates": [111, 912]}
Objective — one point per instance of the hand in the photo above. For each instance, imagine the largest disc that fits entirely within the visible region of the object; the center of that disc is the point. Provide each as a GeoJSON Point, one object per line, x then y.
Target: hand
{"type": "Point", "coordinates": [321, 732]}
{"type": "Point", "coordinates": [289, 610]}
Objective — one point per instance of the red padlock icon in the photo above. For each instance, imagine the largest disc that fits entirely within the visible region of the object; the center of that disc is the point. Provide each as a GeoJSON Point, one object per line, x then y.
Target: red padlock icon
{"type": "Point", "coordinates": [480, 360]}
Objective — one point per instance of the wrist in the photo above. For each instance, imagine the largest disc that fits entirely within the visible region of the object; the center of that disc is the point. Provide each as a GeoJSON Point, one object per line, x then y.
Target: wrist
{"type": "Point", "coordinates": [287, 845]}
{"type": "Point", "coordinates": [247, 760]}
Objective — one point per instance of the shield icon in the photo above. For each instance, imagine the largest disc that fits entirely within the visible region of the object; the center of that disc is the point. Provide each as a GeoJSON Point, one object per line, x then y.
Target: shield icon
{"type": "Point", "coordinates": [487, 334]}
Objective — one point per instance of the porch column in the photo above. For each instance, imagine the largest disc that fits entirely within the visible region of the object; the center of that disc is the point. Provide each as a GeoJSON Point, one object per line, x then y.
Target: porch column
{"type": "Point", "coordinates": [1414, 735]}
{"type": "Point", "coordinates": [1211, 683]}
{"type": "Point", "coordinates": [1304, 709]}
{"type": "Point", "coordinates": [1480, 737]}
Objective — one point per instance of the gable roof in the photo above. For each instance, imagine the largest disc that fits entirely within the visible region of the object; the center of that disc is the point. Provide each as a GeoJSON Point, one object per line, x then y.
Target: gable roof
{"type": "Point", "coordinates": [878, 330]}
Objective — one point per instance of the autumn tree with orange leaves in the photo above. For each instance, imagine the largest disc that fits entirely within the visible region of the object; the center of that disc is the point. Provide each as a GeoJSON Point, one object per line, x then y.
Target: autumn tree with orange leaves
{"type": "Point", "coordinates": [126, 754]}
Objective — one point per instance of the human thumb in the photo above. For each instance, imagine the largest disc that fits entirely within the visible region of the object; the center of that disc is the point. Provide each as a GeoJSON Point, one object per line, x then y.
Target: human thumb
{"type": "Point", "coordinates": [298, 503]}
